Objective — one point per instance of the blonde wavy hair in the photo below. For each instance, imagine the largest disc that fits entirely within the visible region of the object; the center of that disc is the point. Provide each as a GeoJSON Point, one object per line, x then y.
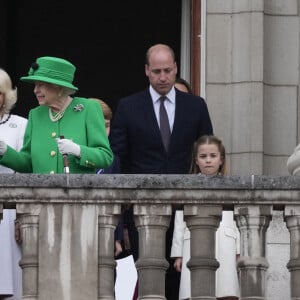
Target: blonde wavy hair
{"type": "Point", "coordinates": [10, 93]}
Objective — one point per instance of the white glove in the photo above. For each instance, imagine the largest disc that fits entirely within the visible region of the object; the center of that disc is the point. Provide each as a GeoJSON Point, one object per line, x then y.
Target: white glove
{"type": "Point", "coordinates": [3, 147]}
{"type": "Point", "coordinates": [66, 146]}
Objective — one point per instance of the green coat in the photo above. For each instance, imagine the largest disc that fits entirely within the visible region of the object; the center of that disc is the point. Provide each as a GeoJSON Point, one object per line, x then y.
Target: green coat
{"type": "Point", "coordinates": [83, 122]}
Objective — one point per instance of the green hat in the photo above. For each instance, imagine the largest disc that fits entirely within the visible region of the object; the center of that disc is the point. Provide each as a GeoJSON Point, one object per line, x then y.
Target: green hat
{"type": "Point", "coordinates": [52, 70]}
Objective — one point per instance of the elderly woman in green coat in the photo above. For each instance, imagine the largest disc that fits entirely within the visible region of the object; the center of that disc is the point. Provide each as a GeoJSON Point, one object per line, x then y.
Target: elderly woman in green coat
{"type": "Point", "coordinates": [60, 127]}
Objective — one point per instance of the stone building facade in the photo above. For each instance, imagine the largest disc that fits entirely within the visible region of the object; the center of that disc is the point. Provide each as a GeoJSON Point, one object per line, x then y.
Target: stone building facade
{"type": "Point", "coordinates": [251, 80]}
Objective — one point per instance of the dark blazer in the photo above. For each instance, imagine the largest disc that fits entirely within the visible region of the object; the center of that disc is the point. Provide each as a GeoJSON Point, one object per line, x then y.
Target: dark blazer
{"type": "Point", "coordinates": [135, 136]}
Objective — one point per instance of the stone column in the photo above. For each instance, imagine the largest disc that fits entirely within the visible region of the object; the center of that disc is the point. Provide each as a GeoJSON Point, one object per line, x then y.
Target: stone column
{"type": "Point", "coordinates": [234, 82]}
{"type": "Point", "coordinates": [253, 221]}
{"type": "Point", "coordinates": [203, 222]}
{"type": "Point", "coordinates": [29, 227]}
{"type": "Point", "coordinates": [108, 219]}
{"type": "Point", "coordinates": [152, 222]}
{"type": "Point", "coordinates": [292, 219]}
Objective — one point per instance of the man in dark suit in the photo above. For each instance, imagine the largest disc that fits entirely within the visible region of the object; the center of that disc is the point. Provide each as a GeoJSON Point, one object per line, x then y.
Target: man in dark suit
{"type": "Point", "coordinates": [137, 136]}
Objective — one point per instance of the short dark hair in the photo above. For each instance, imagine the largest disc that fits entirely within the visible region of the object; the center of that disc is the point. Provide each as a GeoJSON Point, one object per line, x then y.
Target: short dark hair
{"type": "Point", "coordinates": [185, 83]}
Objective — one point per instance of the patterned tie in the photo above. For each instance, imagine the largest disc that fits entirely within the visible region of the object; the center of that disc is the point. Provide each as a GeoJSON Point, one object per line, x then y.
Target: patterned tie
{"type": "Point", "coordinates": [164, 123]}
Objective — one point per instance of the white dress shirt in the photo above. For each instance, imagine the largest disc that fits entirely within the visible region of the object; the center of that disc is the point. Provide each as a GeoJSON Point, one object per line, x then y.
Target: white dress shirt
{"type": "Point", "coordinates": [169, 105]}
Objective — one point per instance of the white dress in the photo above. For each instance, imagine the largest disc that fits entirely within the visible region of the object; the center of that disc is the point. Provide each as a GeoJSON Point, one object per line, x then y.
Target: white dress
{"type": "Point", "coordinates": [227, 247]}
{"type": "Point", "coordinates": [12, 133]}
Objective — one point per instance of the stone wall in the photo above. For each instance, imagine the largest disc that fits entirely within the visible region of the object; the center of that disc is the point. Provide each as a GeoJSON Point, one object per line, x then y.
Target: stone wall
{"type": "Point", "coordinates": [252, 90]}
{"type": "Point", "coordinates": [68, 221]}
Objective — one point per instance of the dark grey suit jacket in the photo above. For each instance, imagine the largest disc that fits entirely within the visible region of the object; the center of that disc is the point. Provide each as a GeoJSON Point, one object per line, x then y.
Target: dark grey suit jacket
{"type": "Point", "coordinates": [135, 136]}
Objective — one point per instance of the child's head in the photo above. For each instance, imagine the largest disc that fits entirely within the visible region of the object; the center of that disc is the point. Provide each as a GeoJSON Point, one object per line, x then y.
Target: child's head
{"type": "Point", "coordinates": [209, 156]}
{"type": "Point", "coordinates": [182, 85]}
{"type": "Point", "coordinates": [107, 113]}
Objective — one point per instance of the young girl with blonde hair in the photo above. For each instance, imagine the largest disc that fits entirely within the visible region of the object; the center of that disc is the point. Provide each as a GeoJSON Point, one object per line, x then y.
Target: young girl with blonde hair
{"type": "Point", "coordinates": [209, 158]}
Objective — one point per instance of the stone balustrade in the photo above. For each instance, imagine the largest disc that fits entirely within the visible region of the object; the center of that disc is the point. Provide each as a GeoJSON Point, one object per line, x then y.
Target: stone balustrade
{"type": "Point", "coordinates": [68, 222]}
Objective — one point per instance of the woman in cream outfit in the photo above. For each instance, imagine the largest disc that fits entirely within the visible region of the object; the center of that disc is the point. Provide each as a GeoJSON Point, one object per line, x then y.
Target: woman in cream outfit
{"type": "Point", "coordinates": [12, 128]}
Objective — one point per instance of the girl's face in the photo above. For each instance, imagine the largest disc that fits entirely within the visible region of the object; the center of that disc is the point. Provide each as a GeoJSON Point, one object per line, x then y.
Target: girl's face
{"type": "Point", "coordinates": [208, 159]}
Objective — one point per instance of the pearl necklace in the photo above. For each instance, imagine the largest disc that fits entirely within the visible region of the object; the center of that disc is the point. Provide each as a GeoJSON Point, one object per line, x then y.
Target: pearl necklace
{"type": "Point", "coordinates": [57, 116]}
{"type": "Point", "coordinates": [54, 117]}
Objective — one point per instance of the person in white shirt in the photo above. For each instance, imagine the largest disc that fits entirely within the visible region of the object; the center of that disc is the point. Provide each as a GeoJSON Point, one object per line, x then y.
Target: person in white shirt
{"type": "Point", "coordinates": [12, 128]}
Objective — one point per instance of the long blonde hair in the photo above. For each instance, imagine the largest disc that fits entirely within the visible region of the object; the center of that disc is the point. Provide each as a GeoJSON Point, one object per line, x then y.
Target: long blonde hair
{"type": "Point", "coordinates": [208, 139]}
{"type": "Point", "coordinates": [10, 94]}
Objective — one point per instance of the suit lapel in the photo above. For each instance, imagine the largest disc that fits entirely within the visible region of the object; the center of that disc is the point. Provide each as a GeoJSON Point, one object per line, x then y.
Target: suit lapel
{"type": "Point", "coordinates": [179, 118]}
{"type": "Point", "coordinates": [149, 114]}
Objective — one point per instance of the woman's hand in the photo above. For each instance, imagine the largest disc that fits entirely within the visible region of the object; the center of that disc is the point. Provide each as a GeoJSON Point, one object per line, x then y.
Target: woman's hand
{"type": "Point", "coordinates": [66, 146]}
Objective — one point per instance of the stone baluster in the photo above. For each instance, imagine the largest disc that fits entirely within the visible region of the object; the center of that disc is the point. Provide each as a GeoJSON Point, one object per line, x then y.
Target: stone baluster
{"type": "Point", "coordinates": [29, 227]}
{"type": "Point", "coordinates": [203, 222]}
{"type": "Point", "coordinates": [253, 221]}
{"type": "Point", "coordinates": [107, 221]}
{"type": "Point", "coordinates": [292, 219]}
{"type": "Point", "coordinates": [152, 222]}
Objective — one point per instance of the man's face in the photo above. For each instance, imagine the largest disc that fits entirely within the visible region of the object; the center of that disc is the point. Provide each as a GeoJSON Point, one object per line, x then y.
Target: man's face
{"type": "Point", "coordinates": [161, 71]}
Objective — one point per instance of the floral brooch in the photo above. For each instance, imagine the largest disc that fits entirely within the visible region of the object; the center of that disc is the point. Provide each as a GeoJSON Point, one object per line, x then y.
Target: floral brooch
{"type": "Point", "coordinates": [78, 107]}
